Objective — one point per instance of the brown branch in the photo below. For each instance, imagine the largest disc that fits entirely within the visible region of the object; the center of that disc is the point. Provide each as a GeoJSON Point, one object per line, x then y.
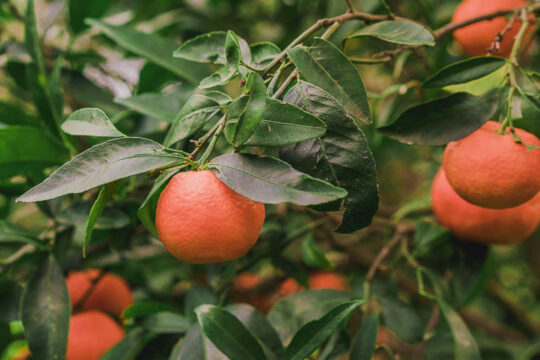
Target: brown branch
{"type": "Point", "coordinates": [495, 47]}
{"type": "Point", "coordinates": [349, 6]}
{"type": "Point", "coordinates": [382, 254]}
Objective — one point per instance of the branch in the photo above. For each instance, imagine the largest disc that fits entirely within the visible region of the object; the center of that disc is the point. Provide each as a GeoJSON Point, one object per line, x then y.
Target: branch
{"type": "Point", "coordinates": [495, 47]}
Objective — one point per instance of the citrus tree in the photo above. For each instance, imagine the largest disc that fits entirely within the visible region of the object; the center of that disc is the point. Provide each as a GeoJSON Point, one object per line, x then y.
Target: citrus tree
{"type": "Point", "coordinates": [228, 179]}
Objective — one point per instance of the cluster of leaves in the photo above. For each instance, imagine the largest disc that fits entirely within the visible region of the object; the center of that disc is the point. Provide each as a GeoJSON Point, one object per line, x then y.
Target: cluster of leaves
{"type": "Point", "coordinates": [276, 125]}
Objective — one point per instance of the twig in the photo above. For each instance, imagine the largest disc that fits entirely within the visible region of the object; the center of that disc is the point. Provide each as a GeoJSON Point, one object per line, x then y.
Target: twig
{"type": "Point", "coordinates": [382, 255]}
{"type": "Point", "coordinates": [285, 84]}
{"type": "Point", "coordinates": [200, 143]}
{"type": "Point", "coordinates": [349, 6]}
{"type": "Point", "coordinates": [495, 47]}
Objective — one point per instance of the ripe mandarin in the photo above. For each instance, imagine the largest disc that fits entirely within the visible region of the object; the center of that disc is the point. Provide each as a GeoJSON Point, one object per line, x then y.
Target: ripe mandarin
{"type": "Point", "coordinates": [91, 334]}
{"type": "Point", "coordinates": [476, 39]}
{"type": "Point", "coordinates": [317, 281]}
{"type": "Point", "coordinates": [201, 220]}
{"type": "Point", "coordinates": [474, 223]}
{"type": "Point", "coordinates": [111, 294]}
{"type": "Point", "coordinates": [492, 170]}
{"type": "Point", "coordinates": [243, 286]}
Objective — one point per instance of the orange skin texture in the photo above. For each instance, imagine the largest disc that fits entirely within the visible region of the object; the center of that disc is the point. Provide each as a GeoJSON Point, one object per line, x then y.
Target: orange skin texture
{"type": "Point", "coordinates": [476, 39]}
{"type": "Point", "coordinates": [91, 334]}
{"type": "Point", "coordinates": [474, 223]}
{"type": "Point", "coordinates": [317, 281]}
{"type": "Point", "coordinates": [246, 282]}
{"type": "Point", "coordinates": [492, 170]}
{"type": "Point", "coordinates": [111, 294]}
{"type": "Point", "coordinates": [200, 220]}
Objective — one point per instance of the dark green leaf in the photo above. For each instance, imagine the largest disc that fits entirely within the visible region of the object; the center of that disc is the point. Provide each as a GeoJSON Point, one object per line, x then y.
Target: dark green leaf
{"type": "Point", "coordinates": [284, 124]}
{"type": "Point", "coordinates": [291, 313]}
{"type": "Point", "coordinates": [32, 38]}
{"type": "Point", "coordinates": [366, 338]}
{"type": "Point", "coordinates": [430, 239]}
{"type": "Point", "coordinates": [443, 120]}
{"type": "Point", "coordinates": [145, 308]}
{"type": "Point", "coordinates": [12, 114]}
{"type": "Point", "coordinates": [465, 71]}
{"type": "Point", "coordinates": [229, 334]}
{"type": "Point", "coordinates": [82, 9]}
{"type": "Point", "coordinates": [77, 213]}
{"type": "Point", "coordinates": [103, 163]}
{"type": "Point", "coordinates": [198, 110]}
{"type": "Point", "coordinates": [465, 347]}
{"type": "Point", "coordinates": [166, 323]}
{"type": "Point", "coordinates": [45, 312]}
{"type": "Point", "coordinates": [196, 296]}
{"type": "Point", "coordinates": [262, 54]}
{"type": "Point", "coordinates": [90, 122]}
{"type": "Point", "coordinates": [12, 233]}
{"type": "Point", "coordinates": [399, 316]}
{"type": "Point", "coordinates": [269, 180]}
{"type": "Point", "coordinates": [196, 347]}
{"type": "Point", "coordinates": [327, 67]}
{"type": "Point", "coordinates": [341, 156]}
{"type": "Point", "coordinates": [313, 256]}
{"type": "Point", "coordinates": [233, 56]}
{"type": "Point", "coordinates": [162, 106]}
{"type": "Point", "coordinates": [209, 47]}
{"type": "Point", "coordinates": [147, 210]}
{"type": "Point", "coordinates": [244, 114]}
{"type": "Point", "coordinates": [130, 346]}
{"type": "Point", "coordinates": [398, 32]}
{"type": "Point", "coordinates": [530, 114]}
{"type": "Point", "coordinates": [26, 148]}
{"type": "Point", "coordinates": [153, 78]}
{"type": "Point", "coordinates": [312, 335]}
{"type": "Point", "coordinates": [153, 48]}
{"type": "Point", "coordinates": [105, 194]}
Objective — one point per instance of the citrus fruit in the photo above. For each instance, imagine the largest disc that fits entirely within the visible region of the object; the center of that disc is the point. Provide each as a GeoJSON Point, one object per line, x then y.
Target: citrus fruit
{"type": "Point", "coordinates": [244, 285]}
{"type": "Point", "coordinates": [110, 294]}
{"type": "Point", "coordinates": [91, 334]}
{"type": "Point", "coordinates": [317, 281]}
{"type": "Point", "coordinates": [474, 223]}
{"type": "Point", "coordinates": [201, 220]}
{"type": "Point", "coordinates": [476, 39]}
{"type": "Point", "coordinates": [492, 170]}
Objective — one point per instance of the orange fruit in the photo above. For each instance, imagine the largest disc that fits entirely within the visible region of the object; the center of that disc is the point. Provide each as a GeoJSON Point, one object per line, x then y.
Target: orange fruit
{"type": "Point", "coordinates": [111, 294]}
{"type": "Point", "coordinates": [327, 280]}
{"type": "Point", "coordinates": [201, 220]}
{"type": "Point", "coordinates": [91, 334]}
{"type": "Point", "coordinates": [492, 170]}
{"type": "Point", "coordinates": [243, 284]}
{"type": "Point", "coordinates": [476, 39]}
{"type": "Point", "coordinates": [474, 223]}
{"type": "Point", "coordinates": [317, 281]}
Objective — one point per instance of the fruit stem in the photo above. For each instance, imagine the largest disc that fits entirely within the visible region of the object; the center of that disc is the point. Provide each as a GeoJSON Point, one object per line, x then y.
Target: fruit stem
{"type": "Point", "coordinates": [219, 128]}
{"type": "Point", "coordinates": [200, 143]}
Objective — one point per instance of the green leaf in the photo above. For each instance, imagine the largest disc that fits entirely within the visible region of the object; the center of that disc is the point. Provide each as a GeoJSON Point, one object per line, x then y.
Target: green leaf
{"type": "Point", "coordinates": [32, 39]}
{"type": "Point", "coordinates": [530, 114]}
{"type": "Point", "coordinates": [365, 339]}
{"type": "Point", "coordinates": [205, 48]}
{"type": "Point", "coordinates": [285, 124]}
{"type": "Point", "coordinates": [45, 311]}
{"type": "Point", "coordinates": [197, 111]}
{"type": "Point", "coordinates": [313, 256]}
{"type": "Point", "coordinates": [105, 194]}
{"type": "Point", "coordinates": [162, 106]}
{"type": "Point", "coordinates": [196, 296]}
{"type": "Point", "coordinates": [12, 233]}
{"type": "Point", "coordinates": [12, 114]}
{"type": "Point", "coordinates": [101, 164]}
{"type": "Point", "coordinates": [312, 335]}
{"type": "Point", "coordinates": [465, 347]}
{"type": "Point", "coordinates": [327, 67]}
{"type": "Point", "coordinates": [166, 323]}
{"type": "Point", "coordinates": [398, 32]}
{"type": "Point", "coordinates": [127, 349]}
{"type": "Point", "coordinates": [245, 113]}
{"type": "Point", "coordinates": [229, 334]}
{"type": "Point", "coordinates": [25, 148]}
{"type": "Point", "coordinates": [464, 71]}
{"type": "Point", "coordinates": [145, 308]}
{"type": "Point", "coordinates": [233, 55]}
{"type": "Point", "coordinates": [90, 122]}
{"type": "Point", "coordinates": [443, 120]}
{"type": "Point", "coordinates": [272, 181]}
{"type": "Point", "coordinates": [153, 48]}
{"type": "Point", "coordinates": [262, 54]}
{"type": "Point", "coordinates": [196, 347]}
{"type": "Point", "coordinates": [431, 239]}
{"type": "Point", "coordinates": [341, 156]}
{"type": "Point", "coordinates": [147, 211]}
{"type": "Point", "coordinates": [291, 313]}
{"type": "Point", "coordinates": [82, 9]}
{"type": "Point", "coordinates": [77, 213]}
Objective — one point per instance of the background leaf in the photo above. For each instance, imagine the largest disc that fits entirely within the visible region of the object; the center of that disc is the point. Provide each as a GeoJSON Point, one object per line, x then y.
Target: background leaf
{"type": "Point", "coordinates": [465, 71]}
{"type": "Point", "coordinates": [90, 122]}
{"type": "Point", "coordinates": [209, 47]}
{"type": "Point", "coordinates": [399, 32]}
{"type": "Point", "coordinates": [81, 9]}
{"type": "Point", "coordinates": [365, 339]}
